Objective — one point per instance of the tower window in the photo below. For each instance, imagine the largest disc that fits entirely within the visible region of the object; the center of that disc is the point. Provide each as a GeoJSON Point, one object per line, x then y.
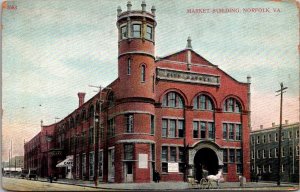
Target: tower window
{"type": "Point", "coordinates": [149, 34]}
{"type": "Point", "coordinates": [128, 66]}
{"type": "Point", "coordinates": [136, 30]}
{"type": "Point", "coordinates": [143, 75]}
{"type": "Point", "coordinates": [124, 32]}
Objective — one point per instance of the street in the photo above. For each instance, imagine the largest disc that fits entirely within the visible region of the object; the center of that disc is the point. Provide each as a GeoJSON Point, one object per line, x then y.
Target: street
{"type": "Point", "coordinates": [13, 184]}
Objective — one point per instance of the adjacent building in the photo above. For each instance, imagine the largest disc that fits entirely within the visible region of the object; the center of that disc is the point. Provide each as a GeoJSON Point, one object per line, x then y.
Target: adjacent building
{"type": "Point", "coordinates": [265, 153]}
{"type": "Point", "coordinates": [176, 114]}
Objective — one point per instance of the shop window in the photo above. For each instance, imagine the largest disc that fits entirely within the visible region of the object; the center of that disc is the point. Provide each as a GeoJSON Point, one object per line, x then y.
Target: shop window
{"type": "Point", "coordinates": [172, 99]}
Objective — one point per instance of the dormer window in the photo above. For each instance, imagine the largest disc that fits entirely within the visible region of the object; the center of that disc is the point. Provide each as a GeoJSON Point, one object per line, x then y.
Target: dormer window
{"type": "Point", "coordinates": [136, 30]}
{"type": "Point", "coordinates": [124, 32]}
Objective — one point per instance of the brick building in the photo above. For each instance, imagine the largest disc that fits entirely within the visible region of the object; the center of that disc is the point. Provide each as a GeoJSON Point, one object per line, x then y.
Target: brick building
{"type": "Point", "coordinates": [265, 153]}
{"type": "Point", "coordinates": [175, 114]}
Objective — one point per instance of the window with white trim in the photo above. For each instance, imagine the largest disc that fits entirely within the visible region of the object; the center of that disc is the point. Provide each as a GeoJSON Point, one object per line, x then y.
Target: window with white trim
{"type": "Point", "coordinates": [203, 102]}
{"type": "Point", "coordinates": [149, 32]}
{"type": "Point", "coordinates": [264, 153]}
{"type": "Point", "coordinates": [124, 32]}
{"type": "Point", "coordinates": [136, 30]}
{"type": "Point", "coordinates": [129, 123]}
{"type": "Point", "coordinates": [232, 105]}
{"type": "Point", "coordinates": [173, 128]}
{"type": "Point", "coordinates": [172, 99]}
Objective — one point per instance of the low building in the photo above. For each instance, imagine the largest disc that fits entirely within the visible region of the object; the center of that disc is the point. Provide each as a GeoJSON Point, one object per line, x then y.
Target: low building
{"type": "Point", "coordinates": [265, 153]}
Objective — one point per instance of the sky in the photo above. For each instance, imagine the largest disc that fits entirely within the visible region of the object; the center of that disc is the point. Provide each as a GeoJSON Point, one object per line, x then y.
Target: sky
{"type": "Point", "coordinates": [51, 50]}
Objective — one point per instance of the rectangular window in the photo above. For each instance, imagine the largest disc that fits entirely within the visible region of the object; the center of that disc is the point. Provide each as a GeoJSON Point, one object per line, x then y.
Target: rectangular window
{"type": "Point", "coordinates": [263, 169]}
{"type": "Point", "coordinates": [123, 32]}
{"type": "Point", "coordinates": [128, 66]}
{"type": "Point", "coordinates": [225, 168]}
{"type": "Point", "coordinates": [290, 134]}
{"type": "Point", "coordinates": [172, 130]}
{"type": "Point", "coordinates": [164, 167]}
{"type": "Point", "coordinates": [100, 163]}
{"type": "Point", "coordinates": [297, 134]}
{"type": "Point", "coordinates": [282, 151]}
{"type": "Point", "coordinates": [136, 30]}
{"type": "Point", "coordinates": [129, 123]}
{"type": "Point", "coordinates": [181, 154]}
{"type": "Point", "coordinates": [164, 128]}
{"type": "Point", "coordinates": [239, 156]}
{"type": "Point", "coordinates": [252, 154]}
{"type": "Point", "coordinates": [195, 129]}
{"type": "Point", "coordinates": [231, 131]}
{"type": "Point", "coordinates": [111, 127]}
{"type": "Point", "coordinates": [152, 125]}
{"type": "Point", "coordinates": [282, 168]}
{"type": "Point", "coordinates": [258, 140]}
{"type": "Point", "coordinates": [239, 168]}
{"type": "Point", "coordinates": [91, 135]}
{"type": "Point", "coordinates": [270, 153]}
{"type": "Point", "coordinates": [180, 128]}
{"type": "Point", "coordinates": [173, 154]}
{"type": "Point", "coordinates": [202, 130]}
{"type": "Point", "coordinates": [269, 138]}
{"type": "Point", "coordinates": [164, 154]}
{"type": "Point", "coordinates": [264, 138]}
{"type": "Point", "coordinates": [264, 153]}
{"type": "Point", "coordinates": [276, 152]}
{"type": "Point", "coordinates": [238, 130]}
{"type": "Point", "coordinates": [231, 155]}
{"type": "Point", "coordinates": [276, 136]}
{"type": "Point", "coordinates": [91, 160]}
{"type": "Point", "coordinates": [149, 34]}
{"type": "Point", "coordinates": [225, 160]}
{"type": "Point", "coordinates": [282, 136]}
{"type": "Point", "coordinates": [153, 152]}
{"type": "Point", "coordinates": [211, 130]}
{"type": "Point", "coordinates": [224, 131]}
{"type": "Point", "coordinates": [258, 154]}
{"type": "Point", "coordinates": [128, 151]}
{"type": "Point", "coordinates": [270, 168]}
{"type": "Point", "coordinates": [172, 99]}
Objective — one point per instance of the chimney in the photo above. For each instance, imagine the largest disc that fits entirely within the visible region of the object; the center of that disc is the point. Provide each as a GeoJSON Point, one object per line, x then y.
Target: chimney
{"type": "Point", "coordinates": [273, 124]}
{"type": "Point", "coordinates": [286, 122]}
{"type": "Point", "coordinates": [261, 126]}
{"type": "Point", "coordinates": [81, 98]}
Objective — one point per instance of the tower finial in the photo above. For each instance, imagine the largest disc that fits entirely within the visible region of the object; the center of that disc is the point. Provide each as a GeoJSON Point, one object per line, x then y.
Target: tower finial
{"type": "Point", "coordinates": [119, 10]}
{"type": "Point", "coordinates": [129, 6]}
{"type": "Point", "coordinates": [153, 9]}
{"type": "Point", "coordinates": [143, 5]}
{"type": "Point", "coordinates": [189, 43]}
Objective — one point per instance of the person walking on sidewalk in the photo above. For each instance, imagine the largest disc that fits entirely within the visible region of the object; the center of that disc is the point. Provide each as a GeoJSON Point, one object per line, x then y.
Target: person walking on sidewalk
{"type": "Point", "coordinates": [95, 181]}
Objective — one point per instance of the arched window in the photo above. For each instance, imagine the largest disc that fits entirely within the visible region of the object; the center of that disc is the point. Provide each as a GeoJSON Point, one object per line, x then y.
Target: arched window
{"type": "Point", "coordinates": [172, 99]}
{"type": "Point", "coordinates": [143, 75]}
{"type": "Point", "coordinates": [203, 102]}
{"type": "Point", "coordinates": [232, 105]}
{"type": "Point", "coordinates": [91, 111]}
{"type": "Point", "coordinates": [128, 66]}
{"type": "Point", "coordinates": [111, 99]}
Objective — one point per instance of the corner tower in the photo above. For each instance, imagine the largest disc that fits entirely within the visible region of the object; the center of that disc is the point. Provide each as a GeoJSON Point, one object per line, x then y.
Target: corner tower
{"type": "Point", "coordinates": [136, 60]}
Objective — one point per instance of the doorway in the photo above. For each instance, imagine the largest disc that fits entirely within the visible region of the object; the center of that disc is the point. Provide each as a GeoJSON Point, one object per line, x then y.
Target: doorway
{"type": "Point", "coordinates": [205, 159]}
{"type": "Point", "coordinates": [129, 172]}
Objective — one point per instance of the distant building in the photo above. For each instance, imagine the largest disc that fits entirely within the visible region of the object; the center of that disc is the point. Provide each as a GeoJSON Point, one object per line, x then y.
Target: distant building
{"type": "Point", "coordinates": [265, 153]}
{"type": "Point", "coordinates": [17, 161]}
{"type": "Point", "coordinates": [176, 114]}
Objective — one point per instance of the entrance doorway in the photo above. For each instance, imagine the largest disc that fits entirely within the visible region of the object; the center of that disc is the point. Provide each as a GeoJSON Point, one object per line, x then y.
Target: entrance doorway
{"type": "Point", "coordinates": [128, 172]}
{"type": "Point", "coordinates": [207, 159]}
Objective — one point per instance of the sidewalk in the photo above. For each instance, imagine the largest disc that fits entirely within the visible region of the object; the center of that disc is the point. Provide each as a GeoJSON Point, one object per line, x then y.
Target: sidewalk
{"type": "Point", "coordinates": [169, 185]}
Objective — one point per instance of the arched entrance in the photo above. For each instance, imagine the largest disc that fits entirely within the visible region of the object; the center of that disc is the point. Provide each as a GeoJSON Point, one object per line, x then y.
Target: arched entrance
{"type": "Point", "coordinates": [207, 159]}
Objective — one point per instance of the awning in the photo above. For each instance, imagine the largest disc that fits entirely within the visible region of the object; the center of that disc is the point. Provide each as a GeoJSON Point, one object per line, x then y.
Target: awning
{"type": "Point", "coordinates": [68, 162]}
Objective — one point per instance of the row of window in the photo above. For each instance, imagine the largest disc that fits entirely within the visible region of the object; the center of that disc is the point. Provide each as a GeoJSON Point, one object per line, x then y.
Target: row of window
{"type": "Point", "coordinates": [284, 152]}
{"type": "Point", "coordinates": [262, 169]}
{"type": "Point", "coordinates": [264, 139]}
{"type": "Point", "coordinates": [136, 31]}
{"type": "Point", "coordinates": [202, 102]}
{"type": "Point", "coordinates": [203, 130]}
{"type": "Point", "coordinates": [233, 156]}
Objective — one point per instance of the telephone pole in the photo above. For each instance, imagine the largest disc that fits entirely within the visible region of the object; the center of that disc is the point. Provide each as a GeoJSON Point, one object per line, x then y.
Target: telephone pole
{"type": "Point", "coordinates": [281, 91]}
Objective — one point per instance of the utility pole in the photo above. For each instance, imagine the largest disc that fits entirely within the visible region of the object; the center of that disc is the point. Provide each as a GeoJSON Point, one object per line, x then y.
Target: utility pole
{"type": "Point", "coordinates": [281, 91]}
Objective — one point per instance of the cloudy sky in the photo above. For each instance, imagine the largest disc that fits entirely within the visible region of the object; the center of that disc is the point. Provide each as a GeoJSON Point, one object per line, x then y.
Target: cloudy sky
{"type": "Point", "coordinates": [54, 49]}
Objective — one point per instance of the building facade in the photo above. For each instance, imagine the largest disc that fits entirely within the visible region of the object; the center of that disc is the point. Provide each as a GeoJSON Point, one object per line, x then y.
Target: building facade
{"type": "Point", "coordinates": [176, 114]}
{"type": "Point", "coordinates": [265, 153]}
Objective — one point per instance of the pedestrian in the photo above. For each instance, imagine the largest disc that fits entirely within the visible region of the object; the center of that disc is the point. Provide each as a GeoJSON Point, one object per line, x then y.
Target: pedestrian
{"type": "Point", "coordinates": [154, 176]}
{"type": "Point", "coordinates": [95, 181]}
{"type": "Point", "coordinates": [50, 178]}
{"type": "Point", "coordinates": [157, 176]}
